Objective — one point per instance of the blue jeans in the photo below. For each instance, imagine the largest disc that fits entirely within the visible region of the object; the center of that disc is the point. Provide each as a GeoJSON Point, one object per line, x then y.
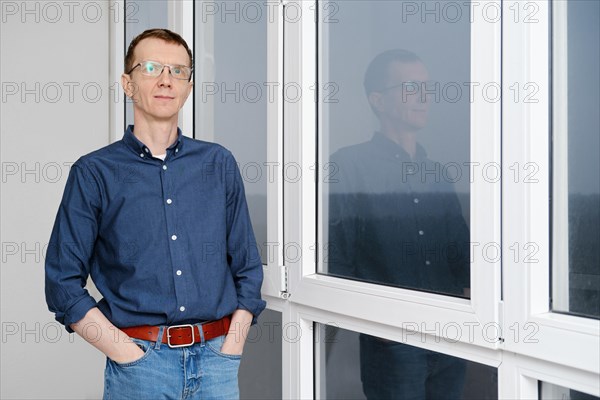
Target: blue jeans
{"type": "Point", "coordinates": [391, 370]}
{"type": "Point", "coordinates": [199, 371]}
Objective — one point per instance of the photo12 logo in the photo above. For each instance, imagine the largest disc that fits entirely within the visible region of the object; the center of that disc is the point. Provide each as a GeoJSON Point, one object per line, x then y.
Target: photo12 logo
{"type": "Point", "coordinates": [452, 12]}
{"type": "Point", "coordinates": [54, 12]}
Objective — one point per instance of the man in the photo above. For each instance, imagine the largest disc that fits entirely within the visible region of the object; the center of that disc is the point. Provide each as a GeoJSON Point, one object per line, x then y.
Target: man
{"type": "Point", "coordinates": [394, 221]}
{"type": "Point", "coordinates": [160, 223]}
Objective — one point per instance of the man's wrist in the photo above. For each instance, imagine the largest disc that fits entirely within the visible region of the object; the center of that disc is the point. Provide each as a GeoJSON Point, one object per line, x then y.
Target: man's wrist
{"type": "Point", "coordinates": [238, 331]}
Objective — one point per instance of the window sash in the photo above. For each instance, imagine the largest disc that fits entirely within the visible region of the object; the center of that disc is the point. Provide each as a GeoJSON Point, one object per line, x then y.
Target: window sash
{"type": "Point", "coordinates": [366, 300]}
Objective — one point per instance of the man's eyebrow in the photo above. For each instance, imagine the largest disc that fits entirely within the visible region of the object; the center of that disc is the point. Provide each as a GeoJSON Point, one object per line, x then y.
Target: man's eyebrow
{"type": "Point", "coordinates": [160, 62]}
{"type": "Point", "coordinates": [184, 64]}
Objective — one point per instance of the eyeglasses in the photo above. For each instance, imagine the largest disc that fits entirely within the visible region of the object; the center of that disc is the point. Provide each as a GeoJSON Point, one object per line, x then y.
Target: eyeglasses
{"type": "Point", "coordinates": [413, 87]}
{"type": "Point", "coordinates": [154, 69]}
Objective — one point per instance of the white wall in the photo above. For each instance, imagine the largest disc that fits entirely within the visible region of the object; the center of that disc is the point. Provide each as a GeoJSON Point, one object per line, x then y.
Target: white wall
{"type": "Point", "coordinates": [47, 48]}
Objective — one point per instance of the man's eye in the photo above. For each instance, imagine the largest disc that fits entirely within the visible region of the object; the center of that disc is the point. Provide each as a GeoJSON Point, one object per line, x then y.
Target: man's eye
{"type": "Point", "coordinates": [177, 71]}
{"type": "Point", "coordinates": [149, 68]}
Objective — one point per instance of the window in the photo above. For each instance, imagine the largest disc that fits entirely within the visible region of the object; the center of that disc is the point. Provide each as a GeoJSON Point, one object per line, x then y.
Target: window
{"type": "Point", "coordinates": [394, 140]}
{"type": "Point", "coordinates": [360, 366]}
{"type": "Point", "coordinates": [549, 391]}
{"type": "Point", "coordinates": [576, 161]}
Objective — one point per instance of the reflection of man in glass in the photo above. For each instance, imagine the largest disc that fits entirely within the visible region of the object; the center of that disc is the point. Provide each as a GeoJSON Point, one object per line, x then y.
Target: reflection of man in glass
{"type": "Point", "coordinates": [395, 220]}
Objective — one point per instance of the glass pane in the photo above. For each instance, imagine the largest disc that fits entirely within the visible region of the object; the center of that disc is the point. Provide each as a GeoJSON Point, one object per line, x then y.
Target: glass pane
{"type": "Point", "coordinates": [394, 143]}
{"type": "Point", "coordinates": [360, 366]}
{"type": "Point", "coordinates": [576, 160]}
{"type": "Point", "coordinates": [231, 94]}
{"type": "Point", "coordinates": [549, 391]}
{"type": "Point", "coordinates": [260, 371]}
{"type": "Point", "coordinates": [139, 16]}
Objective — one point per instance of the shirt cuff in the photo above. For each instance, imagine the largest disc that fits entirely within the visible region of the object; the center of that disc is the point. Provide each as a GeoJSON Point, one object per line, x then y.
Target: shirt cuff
{"type": "Point", "coordinates": [254, 306]}
{"type": "Point", "coordinates": [77, 311]}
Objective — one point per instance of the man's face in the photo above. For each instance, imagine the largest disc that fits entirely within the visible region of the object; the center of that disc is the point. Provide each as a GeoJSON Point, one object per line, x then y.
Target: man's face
{"type": "Point", "coordinates": [157, 98]}
{"type": "Point", "coordinates": [403, 104]}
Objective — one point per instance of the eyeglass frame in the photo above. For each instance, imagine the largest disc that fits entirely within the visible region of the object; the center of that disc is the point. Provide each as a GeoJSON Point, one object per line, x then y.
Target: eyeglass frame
{"type": "Point", "coordinates": [163, 68]}
{"type": "Point", "coordinates": [418, 84]}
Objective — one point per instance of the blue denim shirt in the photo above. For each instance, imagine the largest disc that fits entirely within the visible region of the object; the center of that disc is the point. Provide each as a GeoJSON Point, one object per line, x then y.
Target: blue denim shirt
{"type": "Point", "coordinates": [165, 242]}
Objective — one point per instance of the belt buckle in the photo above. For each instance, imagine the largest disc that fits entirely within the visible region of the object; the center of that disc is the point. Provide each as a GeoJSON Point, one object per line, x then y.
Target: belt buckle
{"type": "Point", "coordinates": [180, 345]}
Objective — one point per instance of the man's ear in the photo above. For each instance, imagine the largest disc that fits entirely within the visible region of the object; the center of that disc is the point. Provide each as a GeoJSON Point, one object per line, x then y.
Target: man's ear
{"type": "Point", "coordinates": [376, 101]}
{"type": "Point", "coordinates": [127, 85]}
{"type": "Point", "coordinates": [189, 89]}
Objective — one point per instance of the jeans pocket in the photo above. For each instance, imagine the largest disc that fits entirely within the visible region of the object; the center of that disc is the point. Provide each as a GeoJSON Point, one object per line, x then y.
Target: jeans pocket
{"type": "Point", "coordinates": [145, 345]}
{"type": "Point", "coordinates": [215, 346]}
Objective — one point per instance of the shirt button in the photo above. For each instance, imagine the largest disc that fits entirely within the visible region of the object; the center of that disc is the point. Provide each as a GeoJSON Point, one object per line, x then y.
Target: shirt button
{"type": "Point", "coordinates": [146, 149]}
{"type": "Point", "coordinates": [174, 237]}
{"type": "Point", "coordinates": [142, 155]}
{"type": "Point", "coordinates": [176, 150]}
{"type": "Point", "coordinates": [164, 167]}
{"type": "Point", "coordinates": [182, 308]}
{"type": "Point", "coordinates": [416, 200]}
{"type": "Point", "coordinates": [178, 272]}
{"type": "Point", "coordinates": [421, 233]}
{"type": "Point", "coordinates": [427, 262]}
{"type": "Point", "coordinates": [169, 201]}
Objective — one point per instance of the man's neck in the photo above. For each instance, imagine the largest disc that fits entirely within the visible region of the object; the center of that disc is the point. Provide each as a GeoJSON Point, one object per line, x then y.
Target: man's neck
{"type": "Point", "coordinates": [157, 135]}
{"type": "Point", "coordinates": [404, 138]}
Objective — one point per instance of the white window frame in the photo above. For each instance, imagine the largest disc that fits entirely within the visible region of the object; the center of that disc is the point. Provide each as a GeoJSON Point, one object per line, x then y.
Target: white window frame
{"type": "Point", "coordinates": [375, 303]}
{"type": "Point", "coordinates": [274, 283]}
{"type": "Point", "coordinates": [562, 339]}
{"type": "Point", "coordinates": [204, 72]}
{"type": "Point", "coordinates": [308, 316]}
{"type": "Point", "coordinates": [560, 156]}
{"type": "Point", "coordinates": [116, 110]}
{"type": "Point", "coordinates": [275, 272]}
{"type": "Point", "coordinates": [518, 377]}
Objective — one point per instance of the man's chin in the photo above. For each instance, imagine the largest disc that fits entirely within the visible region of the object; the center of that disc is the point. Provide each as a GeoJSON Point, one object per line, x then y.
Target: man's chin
{"type": "Point", "coordinates": [417, 125]}
{"type": "Point", "coordinates": [165, 114]}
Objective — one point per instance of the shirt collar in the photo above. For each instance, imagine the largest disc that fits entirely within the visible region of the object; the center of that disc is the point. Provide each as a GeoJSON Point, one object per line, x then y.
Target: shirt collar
{"type": "Point", "coordinates": [393, 149]}
{"type": "Point", "coordinates": [140, 148]}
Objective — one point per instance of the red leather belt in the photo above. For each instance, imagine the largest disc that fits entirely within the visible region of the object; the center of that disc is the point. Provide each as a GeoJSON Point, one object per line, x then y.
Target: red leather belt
{"type": "Point", "coordinates": [180, 335]}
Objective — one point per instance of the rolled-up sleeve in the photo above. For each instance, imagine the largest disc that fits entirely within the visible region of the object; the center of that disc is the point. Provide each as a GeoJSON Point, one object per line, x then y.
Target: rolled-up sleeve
{"type": "Point", "coordinates": [242, 252]}
{"type": "Point", "coordinates": [71, 247]}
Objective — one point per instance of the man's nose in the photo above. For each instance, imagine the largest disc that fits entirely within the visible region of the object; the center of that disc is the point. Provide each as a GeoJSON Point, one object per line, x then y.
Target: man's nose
{"type": "Point", "coordinates": [165, 78]}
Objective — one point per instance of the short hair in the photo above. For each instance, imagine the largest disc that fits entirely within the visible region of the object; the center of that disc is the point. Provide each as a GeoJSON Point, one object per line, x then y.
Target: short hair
{"type": "Point", "coordinates": [163, 34]}
{"type": "Point", "coordinates": [377, 72]}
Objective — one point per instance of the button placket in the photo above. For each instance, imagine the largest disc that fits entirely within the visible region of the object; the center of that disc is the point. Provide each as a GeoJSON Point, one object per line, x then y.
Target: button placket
{"type": "Point", "coordinates": [175, 242]}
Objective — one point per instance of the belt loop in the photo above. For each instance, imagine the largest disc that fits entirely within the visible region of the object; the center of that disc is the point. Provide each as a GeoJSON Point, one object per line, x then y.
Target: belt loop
{"type": "Point", "coordinates": [161, 332]}
{"type": "Point", "coordinates": [201, 331]}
